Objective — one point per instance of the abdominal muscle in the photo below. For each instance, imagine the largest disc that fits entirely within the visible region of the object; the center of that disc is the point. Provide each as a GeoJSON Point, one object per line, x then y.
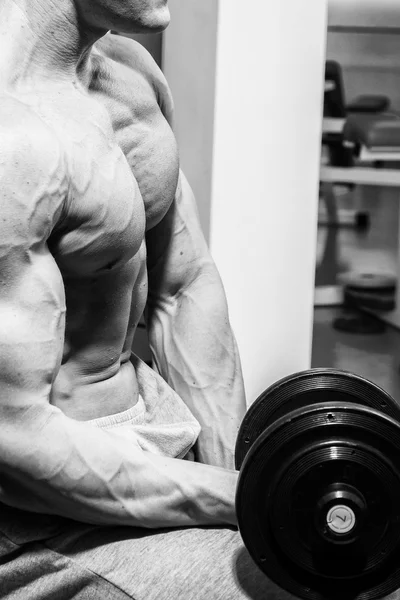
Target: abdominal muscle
{"type": "Point", "coordinates": [96, 377]}
{"type": "Point", "coordinates": [101, 394]}
{"type": "Point", "coordinates": [129, 398]}
{"type": "Point", "coordinates": [102, 383]}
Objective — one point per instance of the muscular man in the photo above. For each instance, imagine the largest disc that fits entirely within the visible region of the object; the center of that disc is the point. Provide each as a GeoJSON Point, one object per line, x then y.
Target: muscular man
{"type": "Point", "coordinates": [98, 225]}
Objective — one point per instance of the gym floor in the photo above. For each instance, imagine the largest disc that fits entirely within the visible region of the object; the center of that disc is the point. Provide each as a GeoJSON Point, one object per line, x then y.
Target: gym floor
{"type": "Point", "coordinates": [376, 357]}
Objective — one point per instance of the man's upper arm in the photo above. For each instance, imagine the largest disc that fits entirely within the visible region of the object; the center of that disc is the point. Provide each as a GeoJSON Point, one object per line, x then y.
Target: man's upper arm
{"type": "Point", "coordinates": [177, 253]}
{"type": "Point", "coordinates": [32, 304]}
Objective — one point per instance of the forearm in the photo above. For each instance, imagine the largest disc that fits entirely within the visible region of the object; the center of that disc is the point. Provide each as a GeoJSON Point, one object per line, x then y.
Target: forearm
{"type": "Point", "coordinates": [56, 465]}
{"type": "Point", "coordinates": [195, 350]}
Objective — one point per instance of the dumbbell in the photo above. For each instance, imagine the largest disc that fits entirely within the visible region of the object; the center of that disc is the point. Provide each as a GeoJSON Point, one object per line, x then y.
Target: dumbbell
{"type": "Point", "coordinates": [318, 496]}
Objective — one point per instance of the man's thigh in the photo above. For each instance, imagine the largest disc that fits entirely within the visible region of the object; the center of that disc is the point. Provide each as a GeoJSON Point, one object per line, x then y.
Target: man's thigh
{"type": "Point", "coordinates": [34, 572]}
{"type": "Point", "coordinates": [194, 564]}
{"type": "Point", "coordinates": [97, 563]}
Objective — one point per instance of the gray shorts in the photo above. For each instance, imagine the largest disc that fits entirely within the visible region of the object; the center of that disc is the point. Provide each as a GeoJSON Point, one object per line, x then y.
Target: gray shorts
{"type": "Point", "coordinates": [49, 558]}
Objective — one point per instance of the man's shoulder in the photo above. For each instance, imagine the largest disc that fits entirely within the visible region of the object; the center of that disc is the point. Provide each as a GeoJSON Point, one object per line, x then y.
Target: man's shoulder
{"type": "Point", "coordinates": [27, 143]}
{"type": "Point", "coordinates": [134, 55]}
{"type": "Point", "coordinates": [129, 52]}
{"type": "Point", "coordinates": [21, 126]}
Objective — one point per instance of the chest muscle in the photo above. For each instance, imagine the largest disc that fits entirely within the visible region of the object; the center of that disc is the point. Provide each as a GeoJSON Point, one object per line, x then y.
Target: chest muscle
{"type": "Point", "coordinates": [142, 133]}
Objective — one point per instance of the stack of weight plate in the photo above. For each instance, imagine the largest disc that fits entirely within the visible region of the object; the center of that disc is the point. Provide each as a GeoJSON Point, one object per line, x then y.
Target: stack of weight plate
{"type": "Point", "coordinates": [372, 291]}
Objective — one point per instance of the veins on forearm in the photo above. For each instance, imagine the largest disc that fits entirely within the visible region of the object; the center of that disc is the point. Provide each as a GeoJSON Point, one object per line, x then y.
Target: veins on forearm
{"type": "Point", "coordinates": [191, 338]}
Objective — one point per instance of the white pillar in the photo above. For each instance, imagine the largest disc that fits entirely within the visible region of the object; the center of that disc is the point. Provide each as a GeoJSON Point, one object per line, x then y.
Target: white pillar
{"type": "Point", "coordinates": [264, 117]}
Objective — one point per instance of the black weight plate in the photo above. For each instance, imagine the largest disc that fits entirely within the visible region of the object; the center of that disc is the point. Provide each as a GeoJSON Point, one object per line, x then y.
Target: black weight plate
{"type": "Point", "coordinates": [283, 484]}
{"type": "Point", "coordinates": [314, 386]}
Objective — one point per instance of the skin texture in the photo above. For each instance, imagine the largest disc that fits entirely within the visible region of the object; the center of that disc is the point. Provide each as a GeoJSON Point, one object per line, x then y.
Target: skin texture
{"type": "Point", "coordinates": [98, 225]}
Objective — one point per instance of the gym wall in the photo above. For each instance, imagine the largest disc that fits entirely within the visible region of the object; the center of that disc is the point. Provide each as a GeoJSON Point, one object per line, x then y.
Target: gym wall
{"type": "Point", "coordinates": [363, 13]}
{"type": "Point", "coordinates": [364, 37]}
{"type": "Point", "coordinates": [191, 74]}
{"type": "Point", "coordinates": [152, 43]}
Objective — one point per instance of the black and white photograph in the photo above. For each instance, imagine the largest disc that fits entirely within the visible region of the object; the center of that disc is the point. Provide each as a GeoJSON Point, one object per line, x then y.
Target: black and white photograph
{"type": "Point", "coordinates": [199, 300]}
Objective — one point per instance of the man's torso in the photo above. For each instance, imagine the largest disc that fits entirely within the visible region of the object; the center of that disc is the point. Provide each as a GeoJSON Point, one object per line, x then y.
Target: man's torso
{"type": "Point", "coordinates": [121, 165]}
